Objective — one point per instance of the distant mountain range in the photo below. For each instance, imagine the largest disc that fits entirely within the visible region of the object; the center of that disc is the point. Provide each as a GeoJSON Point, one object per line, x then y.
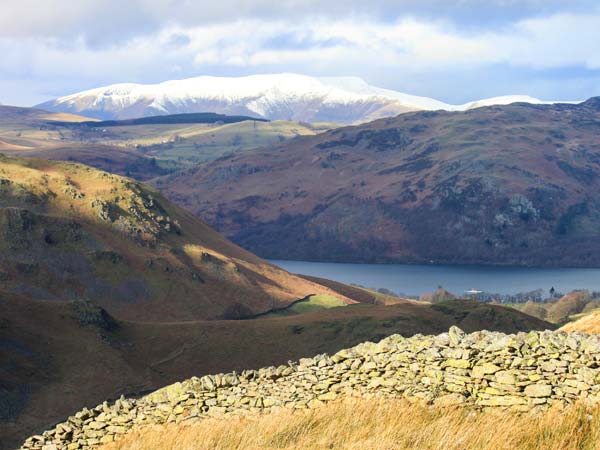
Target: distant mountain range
{"type": "Point", "coordinates": [511, 185]}
{"type": "Point", "coordinates": [274, 96]}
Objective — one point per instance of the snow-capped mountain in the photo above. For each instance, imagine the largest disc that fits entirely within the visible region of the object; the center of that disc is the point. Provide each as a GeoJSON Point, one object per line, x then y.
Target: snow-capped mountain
{"type": "Point", "coordinates": [276, 96]}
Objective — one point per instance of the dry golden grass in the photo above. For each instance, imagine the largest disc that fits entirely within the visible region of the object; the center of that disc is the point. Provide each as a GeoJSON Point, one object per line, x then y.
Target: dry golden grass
{"type": "Point", "coordinates": [66, 117]}
{"type": "Point", "coordinates": [587, 324]}
{"type": "Point", "coordinates": [381, 425]}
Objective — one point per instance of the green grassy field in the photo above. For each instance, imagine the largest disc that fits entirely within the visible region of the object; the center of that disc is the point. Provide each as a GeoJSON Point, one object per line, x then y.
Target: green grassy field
{"type": "Point", "coordinates": [311, 304]}
{"type": "Point", "coordinates": [190, 144]}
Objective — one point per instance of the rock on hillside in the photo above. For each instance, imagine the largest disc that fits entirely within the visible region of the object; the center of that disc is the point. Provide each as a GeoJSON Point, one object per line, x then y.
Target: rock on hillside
{"type": "Point", "coordinates": [71, 232]}
{"type": "Point", "coordinates": [526, 371]}
{"type": "Point", "coordinates": [512, 184]}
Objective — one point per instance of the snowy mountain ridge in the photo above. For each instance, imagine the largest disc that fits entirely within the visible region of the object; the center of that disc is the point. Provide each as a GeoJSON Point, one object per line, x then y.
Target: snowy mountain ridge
{"type": "Point", "coordinates": [273, 96]}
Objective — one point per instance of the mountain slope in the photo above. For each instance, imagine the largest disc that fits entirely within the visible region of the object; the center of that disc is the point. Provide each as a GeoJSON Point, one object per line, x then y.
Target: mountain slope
{"type": "Point", "coordinates": [32, 132]}
{"type": "Point", "coordinates": [57, 357]}
{"type": "Point", "coordinates": [17, 114]}
{"type": "Point", "coordinates": [275, 96]}
{"type": "Point", "coordinates": [512, 184]}
{"type": "Point", "coordinates": [589, 323]}
{"type": "Point", "coordinates": [71, 232]}
{"type": "Point", "coordinates": [142, 148]}
{"type": "Point", "coordinates": [117, 159]}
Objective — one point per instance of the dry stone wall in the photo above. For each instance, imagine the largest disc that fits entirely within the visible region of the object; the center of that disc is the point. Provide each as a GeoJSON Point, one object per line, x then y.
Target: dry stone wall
{"type": "Point", "coordinates": [524, 371]}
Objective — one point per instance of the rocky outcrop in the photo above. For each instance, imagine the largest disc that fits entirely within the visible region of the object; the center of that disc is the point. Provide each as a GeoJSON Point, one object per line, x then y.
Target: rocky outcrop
{"type": "Point", "coordinates": [524, 371]}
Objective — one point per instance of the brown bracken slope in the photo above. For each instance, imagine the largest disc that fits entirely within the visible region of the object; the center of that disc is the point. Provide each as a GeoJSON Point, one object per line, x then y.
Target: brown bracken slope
{"type": "Point", "coordinates": [589, 323]}
{"type": "Point", "coordinates": [68, 232]}
{"type": "Point", "coordinates": [514, 184]}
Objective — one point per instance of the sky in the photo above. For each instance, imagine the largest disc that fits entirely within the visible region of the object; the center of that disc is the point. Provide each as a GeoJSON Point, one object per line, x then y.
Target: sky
{"type": "Point", "coordinates": [452, 50]}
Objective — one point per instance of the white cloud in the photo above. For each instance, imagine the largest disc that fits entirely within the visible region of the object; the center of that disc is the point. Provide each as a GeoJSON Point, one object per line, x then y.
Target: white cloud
{"type": "Point", "coordinates": [552, 42]}
{"type": "Point", "coordinates": [355, 44]}
{"type": "Point", "coordinates": [556, 41]}
{"type": "Point", "coordinates": [109, 20]}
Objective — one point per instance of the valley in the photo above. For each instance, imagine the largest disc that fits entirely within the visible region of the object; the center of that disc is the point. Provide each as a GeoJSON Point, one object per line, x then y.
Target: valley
{"type": "Point", "coordinates": [407, 186]}
{"type": "Point", "coordinates": [289, 225]}
{"type": "Point", "coordinates": [184, 145]}
{"type": "Point", "coordinates": [134, 293]}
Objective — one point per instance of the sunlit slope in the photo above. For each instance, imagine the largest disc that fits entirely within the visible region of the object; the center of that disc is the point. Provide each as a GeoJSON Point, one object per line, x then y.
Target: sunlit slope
{"type": "Point", "coordinates": [141, 151]}
{"type": "Point", "coordinates": [187, 144]}
{"type": "Point", "coordinates": [589, 323]}
{"type": "Point", "coordinates": [569, 308]}
{"type": "Point", "coordinates": [71, 232]}
{"type": "Point", "coordinates": [27, 128]}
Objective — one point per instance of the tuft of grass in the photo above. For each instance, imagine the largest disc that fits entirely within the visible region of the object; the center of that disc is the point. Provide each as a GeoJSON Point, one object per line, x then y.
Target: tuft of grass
{"type": "Point", "coordinates": [377, 424]}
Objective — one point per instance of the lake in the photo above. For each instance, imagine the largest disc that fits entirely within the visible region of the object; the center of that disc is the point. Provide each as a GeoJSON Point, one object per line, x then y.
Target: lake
{"type": "Point", "coordinates": [414, 280]}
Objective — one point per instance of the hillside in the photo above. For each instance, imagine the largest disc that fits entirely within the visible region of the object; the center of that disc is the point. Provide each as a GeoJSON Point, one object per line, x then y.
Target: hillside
{"type": "Point", "coordinates": [27, 128]}
{"type": "Point", "coordinates": [509, 185]}
{"type": "Point", "coordinates": [81, 356]}
{"type": "Point", "coordinates": [540, 372]}
{"type": "Point", "coordinates": [184, 145]}
{"type": "Point", "coordinates": [31, 132]}
{"type": "Point", "coordinates": [120, 160]}
{"type": "Point", "coordinates": [285, 96]}
{"type": "Point", "coordinates": [569, 308]}
{"type": "Point", "coordinates": [72, 232]}
{"type": "Point", "coordinates": [142, 148]}
{"type": "Point", "coordinates": [17, 114]}
{"type": "Point", "coordinates": [589, 323]}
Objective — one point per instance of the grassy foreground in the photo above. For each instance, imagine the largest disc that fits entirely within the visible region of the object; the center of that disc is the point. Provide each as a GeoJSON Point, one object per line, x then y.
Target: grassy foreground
{"type": "Point", "coordinates": [589, 323]}
{"type": "Point", "coordinates": [374, 424]}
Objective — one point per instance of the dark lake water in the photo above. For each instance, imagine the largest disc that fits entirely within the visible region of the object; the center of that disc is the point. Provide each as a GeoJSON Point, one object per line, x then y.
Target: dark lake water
{"type": "Point", "coordinates": [415, 279]}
